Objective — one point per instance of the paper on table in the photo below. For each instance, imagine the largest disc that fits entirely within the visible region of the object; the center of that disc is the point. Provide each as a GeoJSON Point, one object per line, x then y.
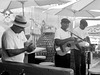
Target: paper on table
{"type": "Point", "coordinates": [37, 49]}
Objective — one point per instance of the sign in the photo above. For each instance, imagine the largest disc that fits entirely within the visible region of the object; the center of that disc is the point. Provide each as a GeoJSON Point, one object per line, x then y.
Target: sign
{"type": "Point", "coordinates": [94, 30]}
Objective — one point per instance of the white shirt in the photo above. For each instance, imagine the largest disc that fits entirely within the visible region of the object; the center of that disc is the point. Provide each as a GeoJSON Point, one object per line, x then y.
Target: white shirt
{"type": "Point", "coordinates": [13, 41]}
{"type": "Point", "coordinates": [61, 34]}
{"type": "Point", "coordinates": [1, 33]}
{"type": "Point", "coordinates": [81, 33]}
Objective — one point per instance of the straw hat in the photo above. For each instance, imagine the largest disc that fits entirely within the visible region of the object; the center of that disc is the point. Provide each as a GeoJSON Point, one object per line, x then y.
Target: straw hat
{"type": "Point", "coordinates": [20, 21]}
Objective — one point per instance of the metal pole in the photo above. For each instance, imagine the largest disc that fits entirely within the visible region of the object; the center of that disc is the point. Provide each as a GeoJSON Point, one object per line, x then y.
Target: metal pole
{"type": "Point", "coordinates": [22, 2]}
{"type": "Point", "coordinates": [23, 7]}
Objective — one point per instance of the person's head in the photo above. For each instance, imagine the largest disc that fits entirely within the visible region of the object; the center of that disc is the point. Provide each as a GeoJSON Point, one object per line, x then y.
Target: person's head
{"type": "Point", "coordinates": [19, 24]}
{"type": "Point", "coordinates": [83, 24]}
{"type": "Point", "coordinates": [65, 23]}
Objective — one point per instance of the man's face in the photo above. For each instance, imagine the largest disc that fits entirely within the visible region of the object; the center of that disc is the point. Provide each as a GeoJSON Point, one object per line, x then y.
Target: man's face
{"type": "Point", "coordinates": [65, 25]}
{"type": "Point", "coordinates": [82, 26]}
{"type": "Point", "coordinates": [19, 29]}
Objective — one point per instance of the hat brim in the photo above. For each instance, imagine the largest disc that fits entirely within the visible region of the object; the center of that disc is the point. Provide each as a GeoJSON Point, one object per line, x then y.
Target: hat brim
{"type": "Point", "coordinates": [21, 25]}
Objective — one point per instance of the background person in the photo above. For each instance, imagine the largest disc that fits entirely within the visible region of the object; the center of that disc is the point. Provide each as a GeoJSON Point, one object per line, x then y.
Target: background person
{"type": "Point", "coordinates": [14, 42]}
{"type": "Point", "coordinates": [78, 56]}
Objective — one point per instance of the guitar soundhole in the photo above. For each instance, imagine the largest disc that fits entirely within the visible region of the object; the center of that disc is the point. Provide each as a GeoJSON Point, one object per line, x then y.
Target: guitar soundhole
{"type": "Point", "coordinates": [68, 45]}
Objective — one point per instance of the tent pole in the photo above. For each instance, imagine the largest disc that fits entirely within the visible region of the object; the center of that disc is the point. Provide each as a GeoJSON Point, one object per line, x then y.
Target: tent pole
{"type": "Point", "coordinates": [23, 8]}
{"type": "Point", "coordinates": [22, 2]}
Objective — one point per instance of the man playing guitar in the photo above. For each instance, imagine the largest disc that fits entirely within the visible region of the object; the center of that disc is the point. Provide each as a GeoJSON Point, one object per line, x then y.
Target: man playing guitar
{"type": "Point", "coordinates": [78, 56]}
{"type": "Point", "coordinates": [62, 35]}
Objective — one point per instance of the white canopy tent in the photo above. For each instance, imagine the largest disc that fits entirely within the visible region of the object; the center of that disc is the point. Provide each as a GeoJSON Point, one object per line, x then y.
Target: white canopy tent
{"type": "Point", "coordinates": [12, 4]}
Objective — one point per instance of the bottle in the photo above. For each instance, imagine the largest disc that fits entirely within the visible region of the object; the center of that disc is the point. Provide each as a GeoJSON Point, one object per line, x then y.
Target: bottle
{"type": "Point", "coordinates": [5, 73]}
{"type": "Point", "coordinates": [22, 73]}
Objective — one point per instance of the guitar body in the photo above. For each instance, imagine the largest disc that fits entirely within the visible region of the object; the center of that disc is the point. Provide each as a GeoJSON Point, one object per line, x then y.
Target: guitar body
{"type": "Point", "coordinates": [76, 44]}
{"type": "Point", "coordinates": [60, 52]}
{"type": "Point", "coordinates": [65, 48]}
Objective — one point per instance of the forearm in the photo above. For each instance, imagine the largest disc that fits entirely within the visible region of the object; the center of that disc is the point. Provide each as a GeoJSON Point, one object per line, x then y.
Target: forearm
{"type": "Point", "coordinates": [59, 42]}
{"type": "Point", "coordinates": [14, 52]}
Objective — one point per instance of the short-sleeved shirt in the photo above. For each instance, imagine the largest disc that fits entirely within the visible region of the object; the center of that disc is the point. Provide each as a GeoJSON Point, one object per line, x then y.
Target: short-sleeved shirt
{"type": "Point", "coordinates": [11, 40]}
{"type": "Point", "coordinates": [1, 33]}
{"type": "Point", "coordinates": [61, 34]}
{"type": "Point", "coordinates": [81, 33]}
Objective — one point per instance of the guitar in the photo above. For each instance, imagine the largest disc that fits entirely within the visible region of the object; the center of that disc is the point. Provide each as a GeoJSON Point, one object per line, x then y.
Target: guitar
{"type": "Point", "coordinates": [65, 48]}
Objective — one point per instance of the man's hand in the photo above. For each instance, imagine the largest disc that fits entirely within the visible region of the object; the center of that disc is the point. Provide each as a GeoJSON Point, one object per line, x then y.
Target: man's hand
{"type": "Point", "coordinates": [29, 47]}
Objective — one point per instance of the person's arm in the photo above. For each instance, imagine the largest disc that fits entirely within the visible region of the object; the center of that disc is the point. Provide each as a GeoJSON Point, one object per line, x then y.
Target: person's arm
{"type": "Point", "coordinates": [8, 46]}
{"type": "Point", "coordinates": [14, 52]}
{"type": "Point", "coordinates": [60, 42]}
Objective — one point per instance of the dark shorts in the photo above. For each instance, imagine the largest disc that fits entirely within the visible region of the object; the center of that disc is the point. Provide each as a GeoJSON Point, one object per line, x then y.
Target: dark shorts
{"type": "Point", "coordinates": [62, 61]}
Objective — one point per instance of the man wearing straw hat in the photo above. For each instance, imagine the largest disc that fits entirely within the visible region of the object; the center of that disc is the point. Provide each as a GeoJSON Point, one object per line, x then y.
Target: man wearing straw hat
{"type": "Point", "coordinates": [14, 42]}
